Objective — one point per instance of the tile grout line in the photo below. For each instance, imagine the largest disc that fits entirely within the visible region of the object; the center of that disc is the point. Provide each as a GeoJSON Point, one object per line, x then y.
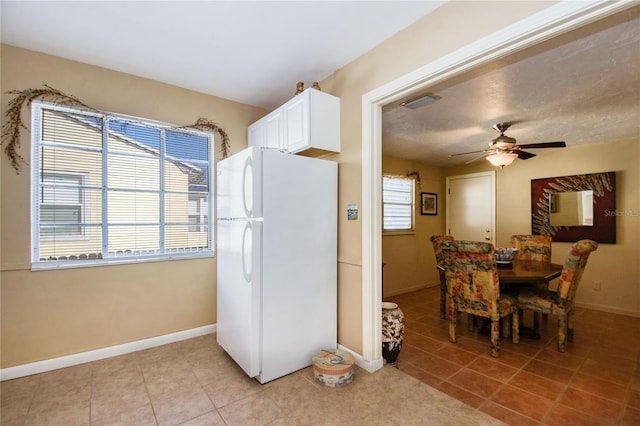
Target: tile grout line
{"type": "Point", "coordinates": [146, 389]}
{"type": "Point", "coordinates": [565, 385]}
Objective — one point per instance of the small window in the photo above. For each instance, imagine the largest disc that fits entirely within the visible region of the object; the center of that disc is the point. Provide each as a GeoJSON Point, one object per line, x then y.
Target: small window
{"type": "Point", "coordinates": [61, 205]}
{"type": "Point", "coordinates": [398, 203]}
{"type": "Point", "coordinates": [198, 213]}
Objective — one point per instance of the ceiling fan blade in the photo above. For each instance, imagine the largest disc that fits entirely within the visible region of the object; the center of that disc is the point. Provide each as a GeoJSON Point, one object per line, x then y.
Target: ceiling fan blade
{"type": "Point", "coordinates": [524, 155]}
{"type": "Point", "coordinates": [559, 144]}
{"type": "Point", "coordinates": [477, 158]}
{"type": "Point", "coordinates": [465, 153]}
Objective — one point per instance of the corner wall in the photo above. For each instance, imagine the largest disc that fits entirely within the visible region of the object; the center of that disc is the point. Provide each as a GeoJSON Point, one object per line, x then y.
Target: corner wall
{"type": "Point", "coordinates": [54, 313]}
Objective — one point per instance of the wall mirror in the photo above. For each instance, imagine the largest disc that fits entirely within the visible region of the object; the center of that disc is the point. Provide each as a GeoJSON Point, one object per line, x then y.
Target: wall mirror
{"type": "Point", "coordinates": [571, 208]}
{"type": "Point", "coordinates": [574, 208]}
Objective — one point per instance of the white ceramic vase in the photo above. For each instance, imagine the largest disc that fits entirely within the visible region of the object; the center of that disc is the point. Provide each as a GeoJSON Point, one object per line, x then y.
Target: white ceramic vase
{"type": "Point", "coordinates": [392, 332]}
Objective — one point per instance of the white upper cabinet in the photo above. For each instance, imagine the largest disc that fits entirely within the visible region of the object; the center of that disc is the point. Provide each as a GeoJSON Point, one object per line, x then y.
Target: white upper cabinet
{"type": "Point", "coordinates": [268, 132]}
{"type": "Point", "coordinates": [308, 122]}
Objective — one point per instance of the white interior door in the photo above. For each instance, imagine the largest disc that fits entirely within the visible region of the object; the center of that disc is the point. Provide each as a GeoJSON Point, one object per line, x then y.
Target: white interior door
{"type": "Point", "coordinates": [471, 206]}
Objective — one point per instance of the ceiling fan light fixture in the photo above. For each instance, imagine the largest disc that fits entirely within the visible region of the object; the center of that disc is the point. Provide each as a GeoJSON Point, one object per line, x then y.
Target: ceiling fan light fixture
{"type": "Point", "coordinates": [502, 159]}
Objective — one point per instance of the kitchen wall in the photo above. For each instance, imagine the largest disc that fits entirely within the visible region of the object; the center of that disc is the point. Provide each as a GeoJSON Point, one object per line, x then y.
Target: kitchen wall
{"type": "Point", "coordinates": [450, 27]}
{"type": "Point", "coordinates": [48, 314]}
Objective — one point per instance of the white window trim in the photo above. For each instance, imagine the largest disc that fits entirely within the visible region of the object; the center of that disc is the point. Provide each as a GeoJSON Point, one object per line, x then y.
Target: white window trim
{"type": "Point", "coordinates": [410, 231]}
{"type": "Point", "coordinates": [177, 254]}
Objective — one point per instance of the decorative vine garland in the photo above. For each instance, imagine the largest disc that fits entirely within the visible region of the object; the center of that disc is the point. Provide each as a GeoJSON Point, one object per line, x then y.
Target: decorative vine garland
{"type": "Point", "coordinates": [205, 124]}
{"type": "Point", "coordinates": [13, 126]}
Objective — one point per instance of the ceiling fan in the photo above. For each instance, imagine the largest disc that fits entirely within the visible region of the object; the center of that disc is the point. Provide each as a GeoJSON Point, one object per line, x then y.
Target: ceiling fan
{"type": "Point", "coordinates": [503, 149]}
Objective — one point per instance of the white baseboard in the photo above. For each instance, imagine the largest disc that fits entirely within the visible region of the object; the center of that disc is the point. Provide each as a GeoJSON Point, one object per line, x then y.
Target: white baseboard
{"type": "Point", "coordinates": [98, 354]}
{"type": "Point", "coordinates": [410, 289]}
{"type": "Point", "coordinates": [370, 366]}
{"type": "Point", "coordinates": [609, 309]}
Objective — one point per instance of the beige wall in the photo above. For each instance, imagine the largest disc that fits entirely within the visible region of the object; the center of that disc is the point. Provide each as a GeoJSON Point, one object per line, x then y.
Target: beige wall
{"type": "Point", "coordinates": [448, 28]}
{"type": "Point", "coordinates": [409, 260]}
{"type": "Point", "coordinates": [48, 314]}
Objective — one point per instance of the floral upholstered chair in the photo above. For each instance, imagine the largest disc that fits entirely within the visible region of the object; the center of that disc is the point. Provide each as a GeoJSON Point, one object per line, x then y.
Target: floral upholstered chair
{"type": "Point", "coordinates": [473, 287]}
{"type": "Point", "coordinates": [532, 247]}
{"type": "Point", "coordinates": [559, 302]}
{"type": "Point", "coordinates": [436, 240]}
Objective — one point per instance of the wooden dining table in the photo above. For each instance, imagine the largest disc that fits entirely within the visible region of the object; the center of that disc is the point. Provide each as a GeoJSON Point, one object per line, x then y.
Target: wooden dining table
{"type": "Point", "coordinates": [528, 271]}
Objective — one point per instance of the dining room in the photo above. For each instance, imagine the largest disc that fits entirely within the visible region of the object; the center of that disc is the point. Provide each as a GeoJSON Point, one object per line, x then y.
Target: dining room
{"type": "Point", "coordinates": [597, 379]}
{"type": "Point", "coordinates": [417, 144]}
{"type": "Point", "coordinates": [556, 371]}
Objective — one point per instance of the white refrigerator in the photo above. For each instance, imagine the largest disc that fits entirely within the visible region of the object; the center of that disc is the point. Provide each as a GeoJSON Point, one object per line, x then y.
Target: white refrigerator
{"type": "Point", "coordinates": [277, 260]}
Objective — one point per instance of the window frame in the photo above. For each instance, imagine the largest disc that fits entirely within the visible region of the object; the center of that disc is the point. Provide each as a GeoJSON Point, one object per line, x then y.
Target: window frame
{"type": "Point", "coordinates": [412, 228]}
{"type": "Point", "coordinates": [105, 257]}
{"type": "Point", "coordinates": [81, 177]}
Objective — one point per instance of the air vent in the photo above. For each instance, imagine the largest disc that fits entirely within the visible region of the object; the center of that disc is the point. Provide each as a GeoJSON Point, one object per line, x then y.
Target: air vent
{"type": "Point", "coordinates": [416, 103]}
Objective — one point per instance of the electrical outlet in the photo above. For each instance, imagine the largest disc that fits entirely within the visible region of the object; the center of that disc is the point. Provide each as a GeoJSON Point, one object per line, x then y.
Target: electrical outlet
{"type": "Point", "coordinates": [597, 285]}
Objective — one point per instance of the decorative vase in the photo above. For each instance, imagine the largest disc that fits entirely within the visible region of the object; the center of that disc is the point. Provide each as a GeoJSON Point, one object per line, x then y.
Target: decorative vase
{"type": "Point", "coordinates": [392, 332]}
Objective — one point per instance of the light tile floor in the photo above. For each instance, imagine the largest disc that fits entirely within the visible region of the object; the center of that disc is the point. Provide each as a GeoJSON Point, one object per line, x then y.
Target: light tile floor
{"type": "Point", "coordinates": [595, 382]}
{"type": "Point", "coordinates": [194, 382]}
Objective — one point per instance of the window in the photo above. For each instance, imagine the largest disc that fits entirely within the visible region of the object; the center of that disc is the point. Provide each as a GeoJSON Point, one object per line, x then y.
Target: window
{"type": "Point", "coordinates": [397, 203]}
{"type": "Point", "coordinates": [198, 212]}
{"type": "Point", "coordinates": [61, 205]}
{"type": "Point", "coordinates": [114, 189]}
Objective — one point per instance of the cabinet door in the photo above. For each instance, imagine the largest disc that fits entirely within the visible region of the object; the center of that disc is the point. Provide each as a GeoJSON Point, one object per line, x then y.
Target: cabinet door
{"type": "Point", "coordinates": [273, 130]}
{"type": "Point", "coordinates": [257, 134]}
{"type": "Point", "coordinates": [296, 127]}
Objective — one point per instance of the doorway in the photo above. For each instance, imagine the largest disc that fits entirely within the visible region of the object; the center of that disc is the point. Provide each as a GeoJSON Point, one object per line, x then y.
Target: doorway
{"type": "Point", "coordinates": [550, 22]}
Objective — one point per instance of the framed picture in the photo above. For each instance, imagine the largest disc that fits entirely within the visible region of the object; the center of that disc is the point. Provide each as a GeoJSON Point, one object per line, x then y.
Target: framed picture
{"type": "Point", "coordinates": [428, 203]}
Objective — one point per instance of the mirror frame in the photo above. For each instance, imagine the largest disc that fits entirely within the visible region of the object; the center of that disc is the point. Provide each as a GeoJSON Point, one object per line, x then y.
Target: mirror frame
{"type": "Point", "coordinates": [604, 207]}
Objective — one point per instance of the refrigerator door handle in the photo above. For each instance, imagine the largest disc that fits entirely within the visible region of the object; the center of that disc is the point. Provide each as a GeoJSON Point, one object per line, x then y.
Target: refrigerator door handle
{"type": "Point", "coordinates": [247, 172]}
{"type": "Point", "coordinates": [246, 263]}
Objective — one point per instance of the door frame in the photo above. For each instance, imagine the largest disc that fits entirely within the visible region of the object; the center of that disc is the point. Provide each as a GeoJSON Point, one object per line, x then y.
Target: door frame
{"type": "Point", "coordinates": [492, 175]}
{"type": "Point", "coordinates": [550, 22]}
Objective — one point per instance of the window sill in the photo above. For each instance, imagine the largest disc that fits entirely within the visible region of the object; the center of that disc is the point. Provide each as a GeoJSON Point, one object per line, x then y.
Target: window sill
{"type": "Point", "coordinates": [53, 265]}
{"type": "Point", "coordinates": [397, 233]}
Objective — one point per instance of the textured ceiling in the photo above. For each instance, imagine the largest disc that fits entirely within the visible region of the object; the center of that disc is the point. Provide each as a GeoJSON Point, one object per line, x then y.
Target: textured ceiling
{"type": "Point", "coordinates": [582, 87]}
